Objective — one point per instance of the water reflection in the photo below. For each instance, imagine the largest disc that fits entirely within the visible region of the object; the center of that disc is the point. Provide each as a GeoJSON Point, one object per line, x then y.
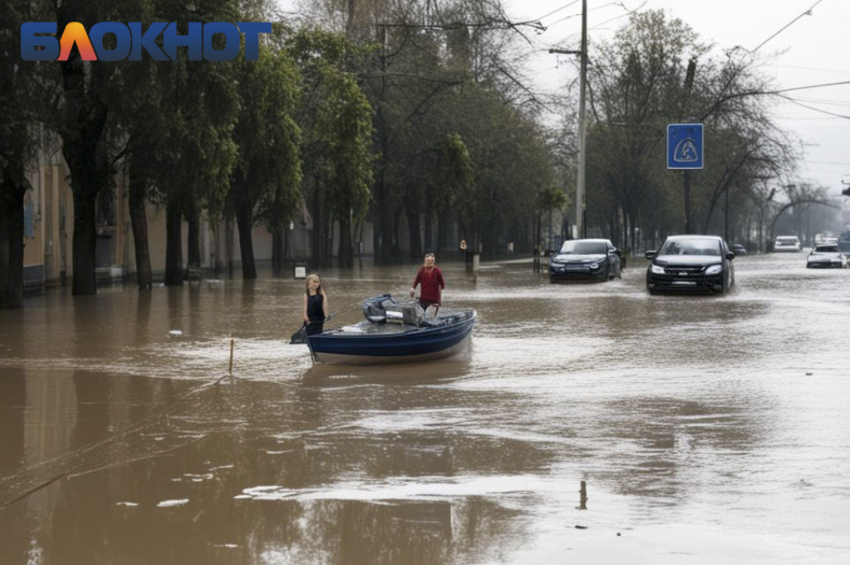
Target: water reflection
{"type": "Point", "coordinates": [339, 375]}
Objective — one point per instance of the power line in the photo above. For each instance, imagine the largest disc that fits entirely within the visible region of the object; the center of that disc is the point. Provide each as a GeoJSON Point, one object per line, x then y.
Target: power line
{"type": "Point", "coordinates": [811, 86]}
{"type": "Point", "coordinates": [599, 8]}
{"type": "Point", "coordinates": [564, 7]}
{"type": "Point", "coordinates": [829, 163]}
{"type": "Point", "coordinates": [628, 13]}
{"type": "Point", "coordinates": [808, 69]}
{"type": "Point", "coordinates": [789, 24]}
{"type": "Point", "coordinates": [793, 101]}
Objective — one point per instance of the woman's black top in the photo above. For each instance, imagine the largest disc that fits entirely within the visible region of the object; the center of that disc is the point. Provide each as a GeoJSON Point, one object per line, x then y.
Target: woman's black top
{"type": "Point", "coordinates": [314, 307]}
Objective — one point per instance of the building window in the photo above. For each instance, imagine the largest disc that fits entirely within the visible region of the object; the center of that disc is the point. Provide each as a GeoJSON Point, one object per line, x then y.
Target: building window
{"type": "Point", "coordinates": [29, 220]}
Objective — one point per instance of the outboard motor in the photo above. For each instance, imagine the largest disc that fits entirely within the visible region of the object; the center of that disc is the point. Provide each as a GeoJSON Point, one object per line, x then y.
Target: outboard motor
{"type": "Point", "coordinates": [375, 308]}
{"type": "Point", "coordinates": [407, 313]}
{"type": "Point", "coordinates": [383, 308]}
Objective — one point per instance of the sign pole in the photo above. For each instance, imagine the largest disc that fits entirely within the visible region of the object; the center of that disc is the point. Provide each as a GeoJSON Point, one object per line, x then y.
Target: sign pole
{"type": "Point", "coordinates": [687, 174]}
{"type": "Point", "coordinates": [685, 153]}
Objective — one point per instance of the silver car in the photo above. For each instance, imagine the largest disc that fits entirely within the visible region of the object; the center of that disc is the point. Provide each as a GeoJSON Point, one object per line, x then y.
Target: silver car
{"type": "Point", "coordinates": [787, 243]}
{"type": "Point", "coordinates": [826, 256]}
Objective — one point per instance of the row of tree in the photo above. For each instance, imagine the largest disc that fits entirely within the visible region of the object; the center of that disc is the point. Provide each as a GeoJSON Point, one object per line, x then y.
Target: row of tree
{"type": "Point", "coordinates": [402, 123]}
{"type": "Point", "coordinates": [414, 116]}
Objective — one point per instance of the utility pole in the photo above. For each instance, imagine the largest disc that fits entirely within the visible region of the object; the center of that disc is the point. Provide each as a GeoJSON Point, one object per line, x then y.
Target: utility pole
{"type": "Point", "coordinates": [581, 212]}
{"type": "Point", "coordinates": [689, 83]}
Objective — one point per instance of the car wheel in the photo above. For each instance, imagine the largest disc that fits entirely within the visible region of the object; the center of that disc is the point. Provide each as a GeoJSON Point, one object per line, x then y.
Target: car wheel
{"type": "Point", "coordinates": [808, 266]}
{"type": "Point", "coordinates": [608, 276]}
{"type": "Point", "coordinates": [724, 286]}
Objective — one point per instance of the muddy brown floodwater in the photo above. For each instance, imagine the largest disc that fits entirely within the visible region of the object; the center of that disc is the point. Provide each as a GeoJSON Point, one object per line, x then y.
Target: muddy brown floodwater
{"type": "Point", "coordinates": [707, 429]}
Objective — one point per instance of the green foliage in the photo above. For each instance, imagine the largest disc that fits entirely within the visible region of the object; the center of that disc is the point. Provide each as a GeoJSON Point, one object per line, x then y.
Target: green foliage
{"type": "Point", "coordinates": [336, 118]}
{"type": "Point", "coordinates": [268, 138]}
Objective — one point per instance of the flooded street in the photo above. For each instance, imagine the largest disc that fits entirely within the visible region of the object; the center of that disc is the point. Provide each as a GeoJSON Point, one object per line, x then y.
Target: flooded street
{"type": "Point", "coordinates": [708, 429]}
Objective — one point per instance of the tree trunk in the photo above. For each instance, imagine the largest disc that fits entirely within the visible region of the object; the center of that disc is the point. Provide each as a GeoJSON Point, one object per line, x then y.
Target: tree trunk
{"type": "Point", "coordinates": [415, 235]}
{"type": "Point", "coordinates": [317, 251]}
{"type": "Point", "coordinates": [139, 220]}
{"type": "Point", "coordinates": [194, 244]}
{"type": "Point", "coordinates": [328, 239]}
{"type": "Point", "coordinates": [277, 253]}
{"type": "Point", "coordinates": [81, 138]}
{"type": "Point", "coordinates": [173, 245]}
{"type": "Point", "coordinates": [346, 249]}
{"type": "Point", "coordinates": [84, 245]}
{"type": "Point", "coordinates": [246, 243]}
{"type": "Point", "coordinates": [429, 233]}
{"type": "Point", "coordinates": [11, 242]}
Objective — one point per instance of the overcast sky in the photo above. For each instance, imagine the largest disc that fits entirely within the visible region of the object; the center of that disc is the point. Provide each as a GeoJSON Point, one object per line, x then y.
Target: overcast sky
{"type": "Point", "coordinates": [812, 50]}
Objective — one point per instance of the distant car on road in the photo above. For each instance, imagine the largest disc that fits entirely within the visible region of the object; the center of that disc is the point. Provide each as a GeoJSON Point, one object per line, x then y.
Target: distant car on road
{"type": "Point", "coordinates": [738, 249]}
{"type": "Point", "coordinates": [585, 259]}
{"type": "Point", "coordinates": [691, 263]}
{"type": "Point", "coordinates": [787, 243]}
{"type": "Point", "coordinates": [826, 255]}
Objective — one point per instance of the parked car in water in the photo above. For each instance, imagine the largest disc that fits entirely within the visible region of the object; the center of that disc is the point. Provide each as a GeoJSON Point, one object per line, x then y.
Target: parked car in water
{"type": "Point", "coordinates": [691, 263]}
{"type": "Point", "coordinates": [738, 249]}
{"type": "Point", "coordinates": [585, 259]}
{"type": "Point", "coordinates": [844, 242]}
{"type": "Point", "coordinates": [826, 255]}
{"type": "Point", "coordinates": [787, 243]}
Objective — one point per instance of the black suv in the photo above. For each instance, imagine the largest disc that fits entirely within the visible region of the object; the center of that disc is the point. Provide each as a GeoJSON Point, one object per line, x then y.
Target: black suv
{"type": "Point", "coordinates": [691, 263]}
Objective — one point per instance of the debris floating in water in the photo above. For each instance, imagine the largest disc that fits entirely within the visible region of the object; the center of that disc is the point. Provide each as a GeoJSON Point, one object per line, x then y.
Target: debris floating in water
{"type": "Point", "coordinates": [175, 332]}
{"type": "Point", "coordinates": [169, 503]}
{"type": "Point", "coordinates": [126, 504]}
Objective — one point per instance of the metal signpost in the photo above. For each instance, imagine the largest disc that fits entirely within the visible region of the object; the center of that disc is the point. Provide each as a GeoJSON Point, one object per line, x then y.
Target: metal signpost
{"type": "Point", "coordinates": [685, 152]}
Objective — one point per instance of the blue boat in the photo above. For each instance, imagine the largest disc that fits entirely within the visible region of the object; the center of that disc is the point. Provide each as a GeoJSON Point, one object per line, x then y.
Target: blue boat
{"type": "Point", "coordinates": [394, 333]}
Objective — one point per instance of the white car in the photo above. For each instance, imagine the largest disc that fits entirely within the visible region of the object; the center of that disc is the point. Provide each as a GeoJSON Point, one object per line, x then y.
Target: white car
{"type": "Point", "coordinates": [787, 243]}
{"type": "Point", "coordinates": [827, 256]}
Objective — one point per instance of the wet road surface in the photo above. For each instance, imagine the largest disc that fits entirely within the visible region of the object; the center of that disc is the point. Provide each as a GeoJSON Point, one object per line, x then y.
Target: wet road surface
{"type": "Point", "coordinates": [709, 429]}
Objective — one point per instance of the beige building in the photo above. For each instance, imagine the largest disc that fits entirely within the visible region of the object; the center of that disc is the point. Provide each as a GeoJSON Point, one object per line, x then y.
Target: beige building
{"type": "Point", "coordinates": [49, 232]}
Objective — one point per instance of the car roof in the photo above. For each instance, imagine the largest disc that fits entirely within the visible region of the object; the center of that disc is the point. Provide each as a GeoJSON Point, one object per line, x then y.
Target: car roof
{"type": "Point", "coordinates": [691, 236]}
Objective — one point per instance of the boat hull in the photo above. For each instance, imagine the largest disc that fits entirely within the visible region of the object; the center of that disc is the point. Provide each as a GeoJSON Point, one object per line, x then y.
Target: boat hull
{"type": "Point", "coordinates": [410, 346]}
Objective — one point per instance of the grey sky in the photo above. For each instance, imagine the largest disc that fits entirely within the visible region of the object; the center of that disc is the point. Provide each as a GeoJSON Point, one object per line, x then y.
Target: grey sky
{"type": "Point", "coordinates": [811, 51]}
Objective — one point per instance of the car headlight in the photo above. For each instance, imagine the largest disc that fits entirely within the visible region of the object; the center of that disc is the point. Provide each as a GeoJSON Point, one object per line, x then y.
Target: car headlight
{"type": "Point", "coordinates": [594, 265]}
{"type": "Point", "coordinates": [714, 270]}
{"type": "Point", "coordinates": [656, 269]}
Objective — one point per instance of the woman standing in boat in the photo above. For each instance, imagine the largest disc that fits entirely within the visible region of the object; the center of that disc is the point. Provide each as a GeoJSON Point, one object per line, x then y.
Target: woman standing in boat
{"type": "Point", "coordinates": [430, 277]}
{"type": "Point", "coordinates": [315, 306]}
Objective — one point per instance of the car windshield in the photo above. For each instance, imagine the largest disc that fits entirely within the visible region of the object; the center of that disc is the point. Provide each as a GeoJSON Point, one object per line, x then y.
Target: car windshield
{"type": "Point", "coordinates": [581, 247]}
{"type": "Point", "coordinates": [826, 249]}
{"type": "Point", "coordinates": [691, 247]}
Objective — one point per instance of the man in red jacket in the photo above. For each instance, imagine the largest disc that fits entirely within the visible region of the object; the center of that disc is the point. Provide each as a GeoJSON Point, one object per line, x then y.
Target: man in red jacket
{"type": "Point", "coordinates": [430, 277]}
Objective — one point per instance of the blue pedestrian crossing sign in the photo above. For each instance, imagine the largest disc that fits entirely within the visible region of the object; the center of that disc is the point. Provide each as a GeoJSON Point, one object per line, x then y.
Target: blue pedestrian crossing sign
{"type": "Point", "coordinates": [684, 146]}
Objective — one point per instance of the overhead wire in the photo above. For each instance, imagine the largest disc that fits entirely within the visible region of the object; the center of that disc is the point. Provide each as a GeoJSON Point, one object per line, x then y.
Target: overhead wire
{"type": "Point", "coordinates": [812, 108]}
{"type": "Point", "coordinates": [564, 7]}
{"type": "Point", "coordinates": [789, 24]}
